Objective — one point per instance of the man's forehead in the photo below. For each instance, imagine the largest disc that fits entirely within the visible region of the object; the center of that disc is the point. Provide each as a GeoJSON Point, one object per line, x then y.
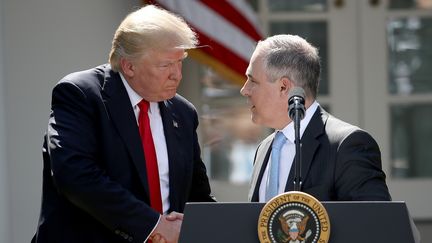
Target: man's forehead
{"type": "Point", "coordinates": [167, 54]}
{"type": "Point", "coordinates": [255, 65]}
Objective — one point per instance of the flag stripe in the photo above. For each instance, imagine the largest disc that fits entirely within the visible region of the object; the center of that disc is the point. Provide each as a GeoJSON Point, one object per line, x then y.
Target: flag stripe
{"type": "Point", "coordinates": [231, 14]}
{"type": "Point", "coordinates": [243, 7]}
{"type": "Point", "coordinates": [211, 24]}
{"type": "Point", "coordinates": [223, 54]}
{"type": "Point", "coordinates": [221, 68]}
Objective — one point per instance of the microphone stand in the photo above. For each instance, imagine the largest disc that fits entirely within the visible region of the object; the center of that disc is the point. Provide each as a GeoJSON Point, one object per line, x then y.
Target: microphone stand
{"type": "Point", "coordinates": [297, 161]}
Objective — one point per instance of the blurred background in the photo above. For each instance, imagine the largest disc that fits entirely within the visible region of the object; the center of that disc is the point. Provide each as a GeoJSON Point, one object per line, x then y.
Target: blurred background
{"type": "Point", "coordinates": [377, 74]}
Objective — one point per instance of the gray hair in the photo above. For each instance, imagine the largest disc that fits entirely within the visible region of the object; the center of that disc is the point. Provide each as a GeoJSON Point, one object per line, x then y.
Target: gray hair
{"type": "Point", "coordinates": [149, 28]}
{"type": "Point", "coordinates": [293, 57]}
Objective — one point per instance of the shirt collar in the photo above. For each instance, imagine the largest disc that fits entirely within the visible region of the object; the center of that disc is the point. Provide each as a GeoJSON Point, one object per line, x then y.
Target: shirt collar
{"type": "Point", "coordinates": [288, 131]}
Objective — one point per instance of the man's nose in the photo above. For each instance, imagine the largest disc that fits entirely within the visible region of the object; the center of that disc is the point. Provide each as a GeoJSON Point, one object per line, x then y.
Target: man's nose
{"type": "Point", "coordinates": [176, 71]}
{"type": "Point", "coordinates": [244, 90]}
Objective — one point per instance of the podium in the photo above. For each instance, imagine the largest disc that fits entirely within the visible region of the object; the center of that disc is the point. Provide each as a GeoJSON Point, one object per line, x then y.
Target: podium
{"type": "Point", "coordinates": [353, 222]}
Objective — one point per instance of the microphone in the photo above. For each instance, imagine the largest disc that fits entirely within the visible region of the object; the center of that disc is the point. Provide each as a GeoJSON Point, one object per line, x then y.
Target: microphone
{"type": "Point", "coordinates": [296, 111]}
{"type": "Point", "coordinates": [296, 102]}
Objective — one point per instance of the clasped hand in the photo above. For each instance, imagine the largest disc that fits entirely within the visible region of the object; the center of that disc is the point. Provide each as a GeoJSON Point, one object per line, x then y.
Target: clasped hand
{"type": "Point", "coordinates": [168, 229]}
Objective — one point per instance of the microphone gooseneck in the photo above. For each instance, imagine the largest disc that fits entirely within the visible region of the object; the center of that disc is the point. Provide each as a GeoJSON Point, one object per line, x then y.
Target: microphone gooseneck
{"type": "Point", "coordinates": [296, 111]}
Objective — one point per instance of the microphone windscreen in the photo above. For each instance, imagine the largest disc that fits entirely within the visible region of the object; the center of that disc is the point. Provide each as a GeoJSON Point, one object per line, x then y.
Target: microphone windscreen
{"type": "Point", "coordinates": [296, 91]}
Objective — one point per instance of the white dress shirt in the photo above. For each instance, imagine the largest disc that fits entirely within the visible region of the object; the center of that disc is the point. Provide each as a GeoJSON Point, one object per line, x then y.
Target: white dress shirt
{"type": "Point", "coordinates": [287, 153]}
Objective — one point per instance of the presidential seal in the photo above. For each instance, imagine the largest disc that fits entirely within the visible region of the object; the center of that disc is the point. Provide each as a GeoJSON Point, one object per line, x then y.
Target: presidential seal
{"type": "Point", "coordinates": [293, 217]}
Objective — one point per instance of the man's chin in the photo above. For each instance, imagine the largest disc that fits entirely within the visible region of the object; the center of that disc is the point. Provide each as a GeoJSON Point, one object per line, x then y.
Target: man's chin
{"type": "Point", "coordinates": [169, 96]}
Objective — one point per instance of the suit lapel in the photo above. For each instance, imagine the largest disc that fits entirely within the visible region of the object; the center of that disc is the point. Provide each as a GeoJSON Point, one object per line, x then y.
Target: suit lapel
{"type": "Point", "coordinates": [261, 160]}
{"type": "Point", "coordinates": [172, 128]}
{"type": "Point", "coordinates": [121, 112]}
{"type": "Point", "coordinates": [309, 146]}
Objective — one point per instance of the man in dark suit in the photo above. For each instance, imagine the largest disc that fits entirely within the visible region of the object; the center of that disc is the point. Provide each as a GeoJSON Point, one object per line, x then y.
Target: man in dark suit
{"type": "Point", "coordinates": [96, 177]}
{"type": "Point", "coordinates": [339, 161]}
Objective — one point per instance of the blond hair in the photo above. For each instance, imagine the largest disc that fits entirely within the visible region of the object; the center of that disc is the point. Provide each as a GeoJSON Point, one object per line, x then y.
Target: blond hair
{"type": "Point", "coordinates": [149, 28]}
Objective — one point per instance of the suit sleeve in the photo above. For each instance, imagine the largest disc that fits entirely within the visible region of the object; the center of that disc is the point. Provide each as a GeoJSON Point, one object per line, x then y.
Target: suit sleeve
{"type": "Point", "coordinates": [77, 169]}
{"type": "Point", "coordinates": [359, 176]}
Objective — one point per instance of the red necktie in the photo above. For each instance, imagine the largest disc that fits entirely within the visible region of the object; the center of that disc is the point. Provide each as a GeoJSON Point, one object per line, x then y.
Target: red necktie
{"type": "Point", "coordinates": [150, 156]}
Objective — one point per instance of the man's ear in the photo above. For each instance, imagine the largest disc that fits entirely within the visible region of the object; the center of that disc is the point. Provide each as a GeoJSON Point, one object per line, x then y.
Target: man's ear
{"type": "Point", "coordinates": [127, 67]}
{"type": "Point", "coordinates": [285, 85]}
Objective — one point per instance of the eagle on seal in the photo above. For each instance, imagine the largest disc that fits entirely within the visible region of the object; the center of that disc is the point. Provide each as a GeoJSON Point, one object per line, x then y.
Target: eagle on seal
{"type": "Point", "coordinates": [293, 224]}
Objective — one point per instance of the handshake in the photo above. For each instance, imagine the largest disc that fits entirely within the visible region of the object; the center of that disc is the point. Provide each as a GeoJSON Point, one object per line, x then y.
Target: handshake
{"type": "Point", "coordinates": [168, 228]}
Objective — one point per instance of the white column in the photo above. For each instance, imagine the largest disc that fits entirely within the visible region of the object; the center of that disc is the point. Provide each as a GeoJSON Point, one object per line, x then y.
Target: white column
{"type": "Point", "coordinates": [4, 185]}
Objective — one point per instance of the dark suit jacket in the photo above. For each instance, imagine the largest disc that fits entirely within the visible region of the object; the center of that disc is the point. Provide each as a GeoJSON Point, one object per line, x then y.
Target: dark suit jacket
{"type": "Point", "coordinates": [340, 162]}
{"type": "Point", "coordinates": [94, 180]}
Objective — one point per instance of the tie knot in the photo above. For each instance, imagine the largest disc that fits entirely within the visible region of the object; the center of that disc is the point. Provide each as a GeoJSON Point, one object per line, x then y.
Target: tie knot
{"type": "Point", "coordinates": [143, 105]}
{"type": "Point", "coordinates": [279, 140]}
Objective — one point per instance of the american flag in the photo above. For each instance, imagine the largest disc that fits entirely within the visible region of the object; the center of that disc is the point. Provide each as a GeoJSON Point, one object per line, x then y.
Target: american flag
{"type": "Point", "coordinates": [228, 30]}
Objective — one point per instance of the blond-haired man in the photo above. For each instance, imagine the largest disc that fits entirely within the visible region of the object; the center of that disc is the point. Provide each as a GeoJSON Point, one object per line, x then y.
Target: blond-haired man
{"type": "Point", "coordinates": [98, 182]}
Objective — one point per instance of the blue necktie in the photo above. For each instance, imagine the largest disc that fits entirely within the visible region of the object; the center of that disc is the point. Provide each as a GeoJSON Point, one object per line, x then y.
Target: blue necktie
{"type": "Point", "coordinates": [273, 175]}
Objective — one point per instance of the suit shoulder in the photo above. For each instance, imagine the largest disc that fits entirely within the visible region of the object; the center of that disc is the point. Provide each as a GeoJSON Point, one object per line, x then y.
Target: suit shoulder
{"type": "Point", "coordinates": [93, 77]}
{"type": "Point", "coordinates": [335, 124]}
{"type": "Point", "coordinates": [180, 101]}
{"type": "Point", "coordinates": [340, 130]}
